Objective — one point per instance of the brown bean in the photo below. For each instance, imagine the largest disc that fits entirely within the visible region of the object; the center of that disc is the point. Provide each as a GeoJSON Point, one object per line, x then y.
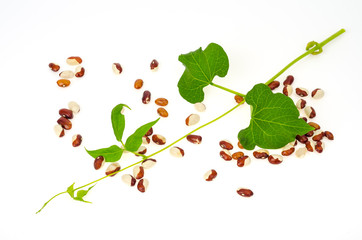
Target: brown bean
{"type": "Point", "coordinates": [67, 113]}
{"type": "Point", "coordinates": [154, 65]}
{"type": "Point", "coordinates": [240, 146]}
{"type": "Point", "coordinates": [287, 90]}
{"type": "Point", "coordinates": [238, 99]}
{"type": "Point", "coordinates": [161, 102]}
{"type": "Point", "coordinates": [149, 132]}
{"type": "Point", "coordinates": [74, 60]}
{"type": "Point", "coordinates": [225, 154]}
{"type": "Point", "coordinates": [177, 152]}
{"type": "Point", "coordinates": [318, 135]}
{"type": "Point", "coordinates": [315, 125]}
{"type": "Point", "coordinates": [138, 172]}
{"type": "Point", "coordinates": [309, 146]}
{"type": "Point", "coordinates": [309, 134]}
{"type": "Point", "coordinates": [158, 139]}
{"type": "Point", "coordinates": [275, 159]}
{"type": "Point", "coordinates": [225, 144]}
{"type": "Point", "coordinates": [65, 123]}
{"type": "Point", "coordinates": [302, 138]}
{"type": "Point", "coordinates": [274, 84]}
{"type": "Point", "coordinates": [302, 92]}
{"type": "Point", "coordinates": [261, 154]}
{"type": "Point", "coordinates": [138, 84]}
{"type": "Point", "coordinates": [310, 112]}
{"type": "Point", "coordinates": [319, 147]}
{"type": "Point", "coordinates": [195, 139]}
{"type": "Point", "coordinates": [59, 130]}
{"type": "Point", "coordinates": [141, 150]}
{"type": "Point", "coordinates": [329, 135]}
{"type": "Point", "coordinates": [243, 161]}
{"type": "Point", "coordinates": [79, 72]}
{"type": "Point", "coordinates": [301, 104]}
{"type": "Point", "coordinates": [63, 83]}
{"type": "Point", "coordinates": [98, 162]}
{"type": "Point", "coordinates": [54, 67]}
{"type": "Point", "coordinates": [77, 140]}
{"type": "Point", "coordinates": [237, 155]}
{"type": "Point", "coordinates": [142, 185]}
{"type": "Point", "coordinates": [210, 175]}
{"type": "Point", "coordinates": [112, 168]}
{"type": "Point", "coordinates": [192, 119]}
{"type": "Point", "coordinates": [317, 93]}
{"type": "Point", "coordinates": [244, 192]}
{"type": "Point", "coordinates": [146, 140]}
{"type": "Point", "coordinates": [129, 180]}
{"type": "Point", "coordinates": [288, 152]}
{"type": "Point", "coordinates": [289, 80]}
{"type": "Point", "coordinates": [146, 98]}
{"type": "Point", "coordinates": [148, 163]}
{"type": "Point", "coordinates": [162, 112]}
{"type": "Point", "coordinates": [117, 68]}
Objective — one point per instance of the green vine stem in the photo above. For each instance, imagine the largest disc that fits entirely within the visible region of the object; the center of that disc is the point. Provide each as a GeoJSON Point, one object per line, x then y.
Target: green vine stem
{"type": "Point", "coordinates": [316, 49]}
{"type": "Point", "coordinates": [146, 157]}
{"type": "Point", "coordinates": [227, 89]}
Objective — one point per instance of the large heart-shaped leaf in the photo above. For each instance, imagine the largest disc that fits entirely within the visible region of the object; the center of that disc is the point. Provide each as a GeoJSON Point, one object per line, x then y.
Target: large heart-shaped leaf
{"type": "Point", "coordinates": [274, 120]}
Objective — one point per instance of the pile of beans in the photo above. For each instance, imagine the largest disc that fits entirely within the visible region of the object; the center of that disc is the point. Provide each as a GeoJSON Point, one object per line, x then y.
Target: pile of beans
{"type": "Point", "coordinates": [66, 75]}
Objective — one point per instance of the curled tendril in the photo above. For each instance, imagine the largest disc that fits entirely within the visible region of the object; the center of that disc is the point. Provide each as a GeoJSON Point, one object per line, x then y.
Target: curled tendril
{"type": "Point", "coordinates": [313, 44]}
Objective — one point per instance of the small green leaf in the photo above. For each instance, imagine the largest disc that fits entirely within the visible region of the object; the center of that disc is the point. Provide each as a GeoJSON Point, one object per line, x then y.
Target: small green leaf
{"type": "Point", "coordinates": [134, 141]}
{"type": "Point", "coordinates": [70, 190]}
{"type": "Point", "coordinates": [201, 68]}
{"type": "Point", "coordinates": [81, 194]}
{"type": "Point", "coordinates": [118, 121]}
{"type": "Point", "coordinates": [110, 154]}
{"type": "Point", "coordinates": [274, 120]}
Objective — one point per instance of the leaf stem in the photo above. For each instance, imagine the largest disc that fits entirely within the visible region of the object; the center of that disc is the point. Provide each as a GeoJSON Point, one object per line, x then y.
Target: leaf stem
{"type": "Point", "coordinates": [227, 89]}
{"type": "Point", "coordinates": [49, 201]}
{"type": "Point", "coordinates": [310, 51]}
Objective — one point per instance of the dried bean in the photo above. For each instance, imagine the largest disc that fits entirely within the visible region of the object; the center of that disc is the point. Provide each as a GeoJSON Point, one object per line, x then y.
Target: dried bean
{"type": "Point", "coordinates": [79, 71]}
{"type": "Point", "coordinates": [98, 162]}
{"type": "Point", "coordinates": [59, 130]}
{"type": "Point", "coordinates": [77, 140]}
{"type": "Point", "coordinates": [244, 192]}
{"type": "Point", "coordinates": [225, 144]}
{"type": "Point", "coordinates": [301, 104]}
{"type": "Point", "coordinates": [192, 119]}
{"type": "Point", "coordinates": [329, 135]}
{"type": "Point", "coordinates": [54, 67]}
{"type": "Point", "coordinates": [289, 80]}
{"type": "Point", "coordinates": [142, 185]}
{"type": "Point", "coordinates": [195, 139]}
{"type": "Point", "coordinates": [141, 150]}
{"type": "Point", "coordinates": [318, 135]}
{"type": "Point", "coordinates": [315, 125]}
{"type": "Point", "coordinates": [148, 163]}
{"type": "Point", "coordinates": [238, 98]}
{"type": "Point", "coordinates": [138, 84]}
{"type": "Point", "coordinates": [243, 161]}
{"type": "Point", "coordinates": [149, 132]}
{"type": "Point", "coordinates": [287, 90]}
{"type": "Point", "coordinates": [67, 113]}
{"type": "Point", "coordinates": [200, 107]}
{"type": "Point", "coordinates": [240, 146]}
{"type": "Point", "coordinates": [310, 112]}
{"type": "Point", "coordinates": [302, 138]}
{"type": "Point", "coordinates": [177, 152]}
{"type": "Point", "coordinates": [63, 83]}
{"type": "Point", "coordinates": [66, 74]}
{"type": "Point", "coordinates": [309, 146]}
{"type": "Point", "coordinates": [117, 68]}
{"type": "Point", "coordinates": [288, 152]}
{"type": "Point", "coordinates": [274, 84]}
{"type": "Point", "coordinates": [162, 112]}
{"type": "Point", "coordinates": [319, 147]}
{"type": "Point", "coordinates": [317, 93]}
{"type": "Point", "coordinates": [226, 155]}
{"type": "Point", "coordinates": [154, 65]}
{"type": "Point", "coordinates": [129, 180]}
{"type": "Point", "coordinates": [74, 107]}
{"type": "Point", "coordinates": [300, 152]}
{"type": "Point", "coordinates": [161, 102]}
{"type": "Point", "coordinates": [112, 168]}
{"type": "Point", "coordinates": [302, 92]}
{"type": "Point", "coordinates": [210, 175]}
{"type": "Point", "coordinates": [158, 139]}
{"type": "Point", "coordinates": [65, 123]}
{"type": "Point", "coordinates": [261, 154]}
{"type": "Point", "coordinates": [74, 60]}
{"type": "Point", "coordinates": [237, 155]}
{"type": "Point", "coordinates": [275, 159]}
{"type": "Point", "coordinates": [146, 98]}
{"type": "Point", "coordinates": [146, 140]}
{"type": "Point", "coordinates": [138, 172]}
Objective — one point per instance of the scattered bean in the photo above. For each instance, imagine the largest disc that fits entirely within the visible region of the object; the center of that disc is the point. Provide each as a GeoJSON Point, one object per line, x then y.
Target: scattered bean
{"type": "Point", "coordinates": [329, 135]}
{"type": "Point", "coordinates": [154, 65]}
{"type": "Point", "coordinates": [244, 192]}
{"type": "Point", "coordinates": [318, 135]}
{"type": "Point", "coordinates": [79, 71]}
{"type": "Point", "coordinates": [149, 132]}
{"type": "Point", "coordinates": [162, 112]}
{"type": "Point", "coordinates": [117, 68]}
{"type": "Point", "coordinates": [146, 98]}
{"type": "Point", "coordinates": [177, 152]}
{"type": "Point", "coordinates": [66, 74]}
{"type": "Point", "coordinates": [158, 139]}
{"type": "Point", "coordinates": [319, 146]}
{"type": "Point", "coordinates": [302, 92]}
{"type": "Point", "coordinates": [261, 154]}
{"type": "Point", "coordinates": [289, 80]}
{"type": "Point", "coordinates": [195, 139]}
{"type": "Point", "coordinates": [148, 163]}
{"type": "Point", "coordinates": [200, 107]}
{"type": "Point", "coordinates": [112, 168]}
{"type": "Point", "coordinates": [225, 144]}
{"type": "Point", "coordinates": [74, 60]}
{"type": "Point", "coordinates": [141, 150]}
{"type": "Point", "coordinates": [240, 146]}
{"type": "Point", "coordinates": [243, 161]}
{"type": "Point", "coordinates": [74, 107]}
{"type": "Point", "coordinates": [309, 134]}
{"type": "Point", "coordinates": [287, 90]}
{"type": "Point", "coordinates": [77, 140]}
{"type": "Point", "coordinates": [192, 119]}
{"type": "Point", "coordinates": [301, 104]}
{"type": "Point", "coordinates": [210, 175]}
{"type": "Point", "coordinates": [98, 162]}
{"type": "Point", "coordinates": [129, 180]}
{"type": "Point", "coordinates": [315, 125]}
{"type": "Point", "coordinates": [288, 150]}
{"type": "Point", "coordinates": [138, 84]}
{"type": "Point", "coordinates": [59, 130]}
{"type": "Point", "coordinates": [138, 172]}
{"type": "Point", "coordinates": [309, 146]}
{"type": "Point", "coordinates": [146, 140]}
{"type": "Point", "coordinates": [310, 112]}
{"type": "Point", "coordinates": [300, 152]}
{"type": "Point", "coordinates": [65, 123]}
{"type": "Point", "coordinates": [275, 159]}
{"type": "Point", "coordinates": [302, 138]}
{"type": "Point", "coordinates": [142, 185]}
{"type": "Point", "coordinates": [54, 67]}
{"type": "Point", "coordinates": [67, 113]}
{"type": "Point", "coordinates": [226, 155]}
{"type": "Point", "coordinates": [238, 98]}
{"type": "Point", "coordinates": [63, 83]}
{"type": "Point", "coordinates": [161, 102]}
{"type": "Point", "coordinates": [274, 84]}
{"type": "Point", "coordinates": [317, 93]}
{"type": "Point", "coordinates": [237, 155]}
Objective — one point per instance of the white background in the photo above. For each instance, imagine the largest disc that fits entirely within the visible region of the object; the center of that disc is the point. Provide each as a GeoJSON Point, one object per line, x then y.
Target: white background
{"type": "Point", "coordinates": [317, 197]}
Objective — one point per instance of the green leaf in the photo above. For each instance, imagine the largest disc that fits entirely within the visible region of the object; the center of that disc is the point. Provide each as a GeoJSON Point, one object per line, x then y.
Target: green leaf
{"type": "Point", "coordinates": [118, 121]}
{"type": "Point", "coordinates": [81, 194]}
{"type": "Point", "coordinates": [110, 154]}
{"type": "Point", "coordinates": [134, 141]}
{"type": "Point", "coordinates": [70, 190]}
{"type": "Point", "coordinates": [274, 120]}
{"type": "Point", "coordinates": [201, 68]}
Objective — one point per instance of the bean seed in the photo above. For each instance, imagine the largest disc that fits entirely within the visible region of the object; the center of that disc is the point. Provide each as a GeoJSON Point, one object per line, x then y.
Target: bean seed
{"type": "Point", "coordinates": [244, 192]}
{"type": "Point", "coordinates": [74, 60]}
{"type": "Point", "coordinates": [301, 104]}
{"type": "Point", "coordinates": [318, 135]}
{"type": "Point", "coordinates": [210, 175]}
{"type": "Point", "coordinates": [195, 139]}
{"type": "Point", "coordinates": [148, 163]}
{"type": "Point", "coordinates": [63, 83]}
{"type": "Point", "coordinates": [237, 155]}
{"type": "Point", "coordinates": [319, 147]}
{"type": "Point", "coordinates": [98, 162]}
{"type": "Point", "coordinates": [138, 172]}
{"type": "Point", "coordinates": [300, 152]}
{"type": "Point", "coordinates": [317, 93]}
{"type": "Point", "coordinates": [142, 185]}
{"type": "Point", "coordinates": [141, 150]}
{"type": "Point", "coordinates": [243, 161]}
{"type": "Point", "coordinates": [302, 138]}
{"type": "Point", "coordinates": [287, 90]}
{"type": "Point", "coordinates": [238, 98]}
{"type": "Point", "coordinates": [274, 84]}
{"type": "Point", "coordinates": [65, 123]}
{"type": "Point", "coordinates": [329, 135]}
{"type": "Point", "coordinates": [240, 146]}
{"type": "Point", "coordinates": [310, 112]}
{"type": "Point", "coordinates": [112, 168]}
{"type": "Point", "coordinates": [192, 119]}
{"type": "Point", "coordinates": [161, 102]}
{"type": "Point", "coordinates": [79, 71]}
{"type": "Point", "coordinates": [289, 80]}
{"type": "Point", "coordinates": [309, 146]}
{"type": "Point", "coordinates": [177, 152]}
{"type": "Point", "coordinates": [261, 154]}
{"type": "Point", "coordinates": [59, 130]}
{"type": "Point", "coordinates": [149, 132]}
{"type": "Point", "coordinates": [54, 67]}
{"type": "Point", "coordinates": [302, 92]}
{"type": "Point", "coordinates": [315, 125]}
{"type": "Point", "coordinates": [129, 180]}
{"type": "Point", "coordinates": [162, 112]}
{"type": "Point", "coordinates": [138, 84]}
{"type": "Point", "coordinates": [275, 159]}
{"type": "Point", "coordinates": [309, 134]}
{"type": "Point", "coordinates": [66, 74]}
{"type": "Point", "coordinates": [154, 65]}
{"type": "Point", "coordinates": [146, 98]}
{"type": "Point", "coordinates": [226, 155]}
{"type": "Point", "coordinates": [117, 68]}
{"type": "Point", "coordinates": [200, 107]}
{"type": "Point", "coordinates": [158, 139]}
{"type": "Point", "coordinates": [74, 107]}
{"type": "Point", "coordinates": [67, 113]}
{"type": "Point", "coordinates": [146, 140]}
{"type": "Point", "coordinates": [77, 140]}
{"type": "Point", "coordinates": [287, 151]}
{"type": "Point", "coordinates": [225, 144]}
